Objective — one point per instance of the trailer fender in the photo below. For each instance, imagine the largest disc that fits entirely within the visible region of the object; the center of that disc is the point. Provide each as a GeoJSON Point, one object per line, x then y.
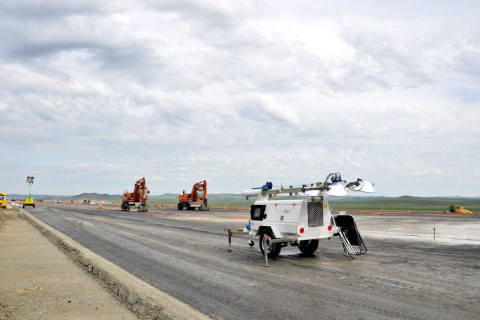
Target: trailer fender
{"type": "Point", "coordinates": [276, 233]}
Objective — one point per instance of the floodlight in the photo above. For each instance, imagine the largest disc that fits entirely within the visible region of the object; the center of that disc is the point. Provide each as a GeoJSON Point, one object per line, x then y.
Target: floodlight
{"type": "Point", "coordinates": [337, 190]}
{"type": "Point", "coordinates": [313, 193]}
{"type": "Point", "coordinates": [252, 193]}
{"type": "Point", "coordinates": [367, 187]}
{"type": "Point", "coordinates": [361, 185]}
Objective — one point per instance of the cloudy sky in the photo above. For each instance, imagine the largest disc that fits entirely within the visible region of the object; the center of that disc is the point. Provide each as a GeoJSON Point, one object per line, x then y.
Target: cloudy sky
{"type": "Point", "coordinates": [97, 94]}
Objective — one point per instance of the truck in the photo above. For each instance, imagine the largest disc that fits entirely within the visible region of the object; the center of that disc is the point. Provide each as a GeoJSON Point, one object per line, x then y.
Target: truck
{"type": "Point", "coordinates": [301, 216]}
{"type": "Point", "coordinates": [138, 198]}
{"type": "Point", "coordinates": [3, 200]}
{"type": "Point", "coordinates": [192, 200]}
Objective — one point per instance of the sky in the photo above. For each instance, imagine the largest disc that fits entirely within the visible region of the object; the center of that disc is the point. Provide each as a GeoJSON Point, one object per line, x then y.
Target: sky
{"type": "Point", "coordinates": [95, 95]}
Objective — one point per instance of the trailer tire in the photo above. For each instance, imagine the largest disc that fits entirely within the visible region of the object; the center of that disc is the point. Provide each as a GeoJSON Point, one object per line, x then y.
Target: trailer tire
{"type": "Point", "coordinates": [308, 247]}
{"type": "Point", "coordinates": [274, 248]}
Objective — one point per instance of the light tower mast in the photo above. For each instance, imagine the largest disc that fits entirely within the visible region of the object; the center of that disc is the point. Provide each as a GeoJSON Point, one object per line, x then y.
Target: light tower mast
{"type": "Point", "coordinates": [30, 182]}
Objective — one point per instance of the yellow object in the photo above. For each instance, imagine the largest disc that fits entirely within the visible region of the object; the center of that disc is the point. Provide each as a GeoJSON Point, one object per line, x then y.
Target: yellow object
{"type": "Point", "coordinates": [3, 200]}
{"type": "Point", "coordinates": [460, 209]}
{"type": "Point", "coordinates": [34, 289]}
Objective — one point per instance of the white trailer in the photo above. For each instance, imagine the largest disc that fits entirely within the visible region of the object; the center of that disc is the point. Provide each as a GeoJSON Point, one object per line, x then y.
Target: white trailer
{"type": "Point", "coordinates": [302, 222]}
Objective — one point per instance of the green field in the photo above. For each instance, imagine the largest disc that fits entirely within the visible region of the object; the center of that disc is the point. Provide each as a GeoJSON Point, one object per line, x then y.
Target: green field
{"type": "Point", "coordinates": [403, 203]}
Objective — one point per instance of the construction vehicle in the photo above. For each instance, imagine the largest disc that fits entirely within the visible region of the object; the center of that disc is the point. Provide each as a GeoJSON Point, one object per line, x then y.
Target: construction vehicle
{"type": "Point", "coordinates": [458, 209]}
{"type": "Point", "coordinates": [85, 201]}
{"type": "Point", "coordinates": [3, 200]}
{"type": "Point", "coordinates": [190, 201]}
{"type": "Point", "coordinates": [304, 220]}
{"type": "Point", "coordinates": [29, 200]}
{"type": "Point", "coordinates": [139, 197]}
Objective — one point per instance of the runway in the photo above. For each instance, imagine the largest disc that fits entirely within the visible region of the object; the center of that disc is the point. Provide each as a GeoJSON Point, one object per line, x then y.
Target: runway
{"type": "Point", "coordinates": [405, 274]}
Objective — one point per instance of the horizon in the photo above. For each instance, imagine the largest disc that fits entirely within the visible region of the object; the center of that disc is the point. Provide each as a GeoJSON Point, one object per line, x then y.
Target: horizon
{"type": "Point", "coordinates": [241, 194]}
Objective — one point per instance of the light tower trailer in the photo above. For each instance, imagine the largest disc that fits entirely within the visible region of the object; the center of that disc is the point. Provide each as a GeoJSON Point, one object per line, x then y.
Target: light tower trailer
{"type": "Point", "coordinates": [302, 222]}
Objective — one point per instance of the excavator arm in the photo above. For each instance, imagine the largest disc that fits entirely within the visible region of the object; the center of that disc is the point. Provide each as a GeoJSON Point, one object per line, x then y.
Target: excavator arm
{"type": "Point", "coordinates": [140, 192]}
{"type": "Point", "coordinates": [196, 187]}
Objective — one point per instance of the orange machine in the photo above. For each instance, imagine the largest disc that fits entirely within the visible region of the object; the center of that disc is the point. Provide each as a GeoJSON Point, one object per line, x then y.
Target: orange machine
{"type": "Point", "coordinates": [192, 200]}
{"type": "Point", "coordinates": [139, 197]}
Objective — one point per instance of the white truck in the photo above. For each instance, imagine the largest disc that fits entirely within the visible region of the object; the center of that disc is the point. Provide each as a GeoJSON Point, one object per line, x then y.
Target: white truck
{"type": "Point", "coordinates": [302, 222]}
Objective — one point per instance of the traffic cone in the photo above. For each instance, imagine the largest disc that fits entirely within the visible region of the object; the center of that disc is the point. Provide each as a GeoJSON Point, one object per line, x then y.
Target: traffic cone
{"type": "Point", "coordinates": [100, 206]}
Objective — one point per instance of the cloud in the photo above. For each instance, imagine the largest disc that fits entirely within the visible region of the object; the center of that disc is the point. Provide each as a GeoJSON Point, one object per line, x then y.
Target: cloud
{"type": "Point", "coordinates": [263, 108]}
{"type": "Point", "coordinates": [239, 93]}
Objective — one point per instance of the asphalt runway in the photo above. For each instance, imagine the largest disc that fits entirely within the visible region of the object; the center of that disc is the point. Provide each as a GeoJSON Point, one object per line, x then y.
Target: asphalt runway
{"type": "Point", "coordinates": [406, 274]}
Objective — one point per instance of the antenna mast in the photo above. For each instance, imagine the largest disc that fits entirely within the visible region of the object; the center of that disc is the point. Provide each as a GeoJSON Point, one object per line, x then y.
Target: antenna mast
{"type": "Point", "coordinates": [30, 182]}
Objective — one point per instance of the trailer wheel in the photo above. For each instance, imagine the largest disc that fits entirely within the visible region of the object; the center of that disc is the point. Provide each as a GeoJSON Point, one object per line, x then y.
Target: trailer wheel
{"type": "Point", "coordinates": [308, 246]}
{"type": "Point", "coordinates": [180, 206]}
{"type": "Point", "coordinates": [273, 250]}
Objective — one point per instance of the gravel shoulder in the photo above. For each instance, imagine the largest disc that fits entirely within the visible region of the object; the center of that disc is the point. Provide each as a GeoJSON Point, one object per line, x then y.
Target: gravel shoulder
{"type": "Point", "coordinates": [37, 281]}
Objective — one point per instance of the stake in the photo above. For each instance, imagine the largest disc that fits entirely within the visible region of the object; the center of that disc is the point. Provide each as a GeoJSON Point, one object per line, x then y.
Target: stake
{"type": "Point", "coordinates": [433, 233]}
{"type": "Point", "coordinates": [265, 250]}
{"type": "Point", "coordinates": [229, 239]}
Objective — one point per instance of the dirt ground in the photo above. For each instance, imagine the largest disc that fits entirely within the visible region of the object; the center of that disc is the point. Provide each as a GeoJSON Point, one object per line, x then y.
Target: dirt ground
{"type": "Point", "coordinates": [37, 281]}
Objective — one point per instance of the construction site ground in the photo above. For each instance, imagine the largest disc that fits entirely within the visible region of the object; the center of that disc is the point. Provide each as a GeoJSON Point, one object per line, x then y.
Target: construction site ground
{"type": "Point", "coordinates": [406, 274]}
{"type": "Point", "coordinates": [37, 281]}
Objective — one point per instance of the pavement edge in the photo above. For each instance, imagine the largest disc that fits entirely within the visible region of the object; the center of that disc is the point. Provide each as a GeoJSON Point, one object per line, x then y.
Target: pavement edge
{"type": "Point", "coordinates": [144, 300]}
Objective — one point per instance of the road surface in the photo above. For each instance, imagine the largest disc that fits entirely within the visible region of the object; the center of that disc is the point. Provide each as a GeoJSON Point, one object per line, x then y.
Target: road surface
{"type": "Point", "coordinates": [185, 255]}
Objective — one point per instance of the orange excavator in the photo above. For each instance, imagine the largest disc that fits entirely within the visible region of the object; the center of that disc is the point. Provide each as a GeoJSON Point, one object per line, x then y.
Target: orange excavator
{"type": "Point", "coordinates": [139, 197]}
{"type": "Point", "coordinates": [190, 201]}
